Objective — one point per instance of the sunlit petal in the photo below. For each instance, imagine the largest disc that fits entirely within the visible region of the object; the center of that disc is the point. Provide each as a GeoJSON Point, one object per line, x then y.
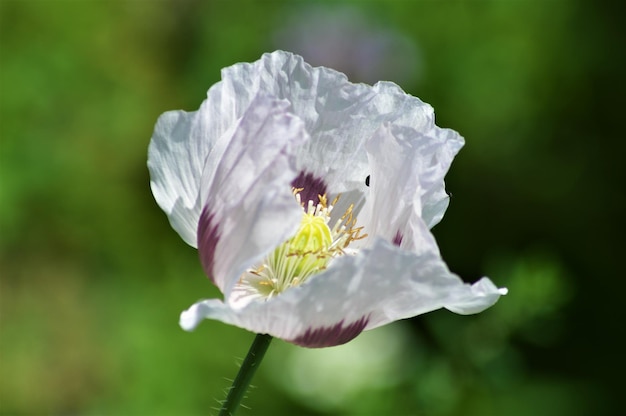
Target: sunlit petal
{"type": "Point", "coordinates": [248, 204]}
{"type": "Point", "coordinates": [380, 285]}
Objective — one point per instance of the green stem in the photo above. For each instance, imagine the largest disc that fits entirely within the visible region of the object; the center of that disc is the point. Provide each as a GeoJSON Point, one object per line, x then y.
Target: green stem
{"type": "Point", "coordinates": [247, 370]}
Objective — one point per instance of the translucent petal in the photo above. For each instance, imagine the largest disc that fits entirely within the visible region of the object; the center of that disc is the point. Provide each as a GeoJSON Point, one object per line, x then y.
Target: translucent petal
{"type": "Point", "coordinates": [374, 287]}
{"type": "Point", "coordinates": [335, 112]}
{"type": "Point", "coordinates": [340, 116]}
{"type": "Point", "coordinates": [413, 122]}
{"type": "Point", "coordinates": [434, 197]}
{"type": "Point", "coordinates": [395, 188]}
{"type": "Point", "coordinates": [175, 170]}
{"type": "Point", "coordinates": [393, 106]}
{"type": "Point", "coordinates": [248, 204]}
{"type": "Point", "coordinates": [177, 154]}
{"type": "Point", "coordinates": [407, 185]}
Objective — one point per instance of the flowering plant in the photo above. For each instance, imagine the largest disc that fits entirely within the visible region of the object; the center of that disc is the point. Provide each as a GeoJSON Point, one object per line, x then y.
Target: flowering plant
{"type": "Point", "coordinates": [310, 200]}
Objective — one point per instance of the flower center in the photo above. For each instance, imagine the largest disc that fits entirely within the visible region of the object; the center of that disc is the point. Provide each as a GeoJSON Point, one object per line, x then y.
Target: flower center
{"type": "Point", "coordinates": [312, 236]}
{"type": "Point", "coordinates": [303, 255]}
{"type": "Point", "coordinates": [307, 252]}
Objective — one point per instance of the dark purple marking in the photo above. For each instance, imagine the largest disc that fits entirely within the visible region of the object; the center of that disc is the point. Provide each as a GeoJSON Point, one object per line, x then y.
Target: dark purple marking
{"type": "Point", "coordinates": [208, 237]}
{"type": "Point", "coordinates": [311, 187]}
{"type": "Point", "coordinates": [331, 335]}
{"type": "Point", "coordinates": [397, 240]}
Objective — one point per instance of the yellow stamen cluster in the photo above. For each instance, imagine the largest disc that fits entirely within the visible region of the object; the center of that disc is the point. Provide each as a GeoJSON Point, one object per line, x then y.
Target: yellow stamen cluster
{"type": "Point", "coordinates": [309, 251]}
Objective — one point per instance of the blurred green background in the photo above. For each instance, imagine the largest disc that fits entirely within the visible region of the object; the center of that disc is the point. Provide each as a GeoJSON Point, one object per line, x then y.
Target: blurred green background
{"type": "Point", "coordinates": [93, 278]}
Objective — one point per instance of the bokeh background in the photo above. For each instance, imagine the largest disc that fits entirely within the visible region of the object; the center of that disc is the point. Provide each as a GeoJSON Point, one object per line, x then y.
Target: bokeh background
{"type": "Point", "coordinates": [93, 278]}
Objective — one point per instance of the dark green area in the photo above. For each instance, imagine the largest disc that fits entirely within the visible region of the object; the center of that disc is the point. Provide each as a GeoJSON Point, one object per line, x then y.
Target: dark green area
{"type": "Point", "coordinates": [93, 279]}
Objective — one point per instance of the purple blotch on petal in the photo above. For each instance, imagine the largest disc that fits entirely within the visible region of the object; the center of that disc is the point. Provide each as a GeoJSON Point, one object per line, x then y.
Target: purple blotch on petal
{"type": "Point", "coordinates": [397, 240]}
{"type": "Point", "coordinates": [332, 335]}
{"type": "Point", "coordinates": [208, 237]}
{"type": "Point", "coordinates": [311, 187]}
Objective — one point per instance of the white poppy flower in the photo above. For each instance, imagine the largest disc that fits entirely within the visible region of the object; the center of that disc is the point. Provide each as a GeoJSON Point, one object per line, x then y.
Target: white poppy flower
{"type": "Point", "coordinates": [310, 201]}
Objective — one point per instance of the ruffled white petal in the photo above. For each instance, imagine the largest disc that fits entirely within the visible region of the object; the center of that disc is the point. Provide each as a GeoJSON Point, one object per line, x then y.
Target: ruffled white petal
{"type": "Point", "coordinates": [377, 286]}
{"type": "Point", "coordinates": [336, 114]}
{"type": "Point", "coordinates": [340, 116]}
{"type": "Point", "coordinates": [394, 198]}
{"type": "Point", "coordinates": [248, 203]}
{"type": "Point", "coordinates": [434, 197]}
{"type": "Point", "coordinates": [406, 185]}
{"type": "Point", "coordinates": [467, 302]}
{"type": "Point", "coordinates": [393, 106]}
{"type": "Point", "coordinates": [178, 151]}
{"type": "Point", "coordinates": [175, 170]}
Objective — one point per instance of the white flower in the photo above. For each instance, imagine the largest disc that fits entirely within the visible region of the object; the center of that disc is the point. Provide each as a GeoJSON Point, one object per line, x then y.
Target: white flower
{"type": "Point", "coordinates": [310, 200]}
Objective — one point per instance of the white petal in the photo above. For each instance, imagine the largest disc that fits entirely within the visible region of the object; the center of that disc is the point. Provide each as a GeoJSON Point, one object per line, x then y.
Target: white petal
{"type": "Point", "coordinates": [434, 197]}
{"type": "Point", "coordinates": [467, 302]}
{"type": "Point", "coordinates": [394, 201]}
{"type": "Point", "coordinates": [177, 154]}
{"type": "Point", "coordinates": [335, 112]}
{"type": "Point", "coordinates": [394, 106]}
{"type": "Point", "coordinates": [339, 115]}
{"type": "Point", "coordinates": [373, 288]}
{"type": "Point", "coordinates": [411, 284]}
{"type": "Point", "coordinates": [414, 121]}
{"type": "Point", "coordinates": [175, 170]}
{"type": "Point", "coordinates": [249, 206]}
{"type": "Point", "coordinates": [406, 183]}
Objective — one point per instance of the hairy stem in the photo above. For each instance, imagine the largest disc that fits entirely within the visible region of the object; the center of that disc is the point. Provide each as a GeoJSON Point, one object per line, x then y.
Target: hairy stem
{"type": "Point", "coordinates": [246, 372]}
